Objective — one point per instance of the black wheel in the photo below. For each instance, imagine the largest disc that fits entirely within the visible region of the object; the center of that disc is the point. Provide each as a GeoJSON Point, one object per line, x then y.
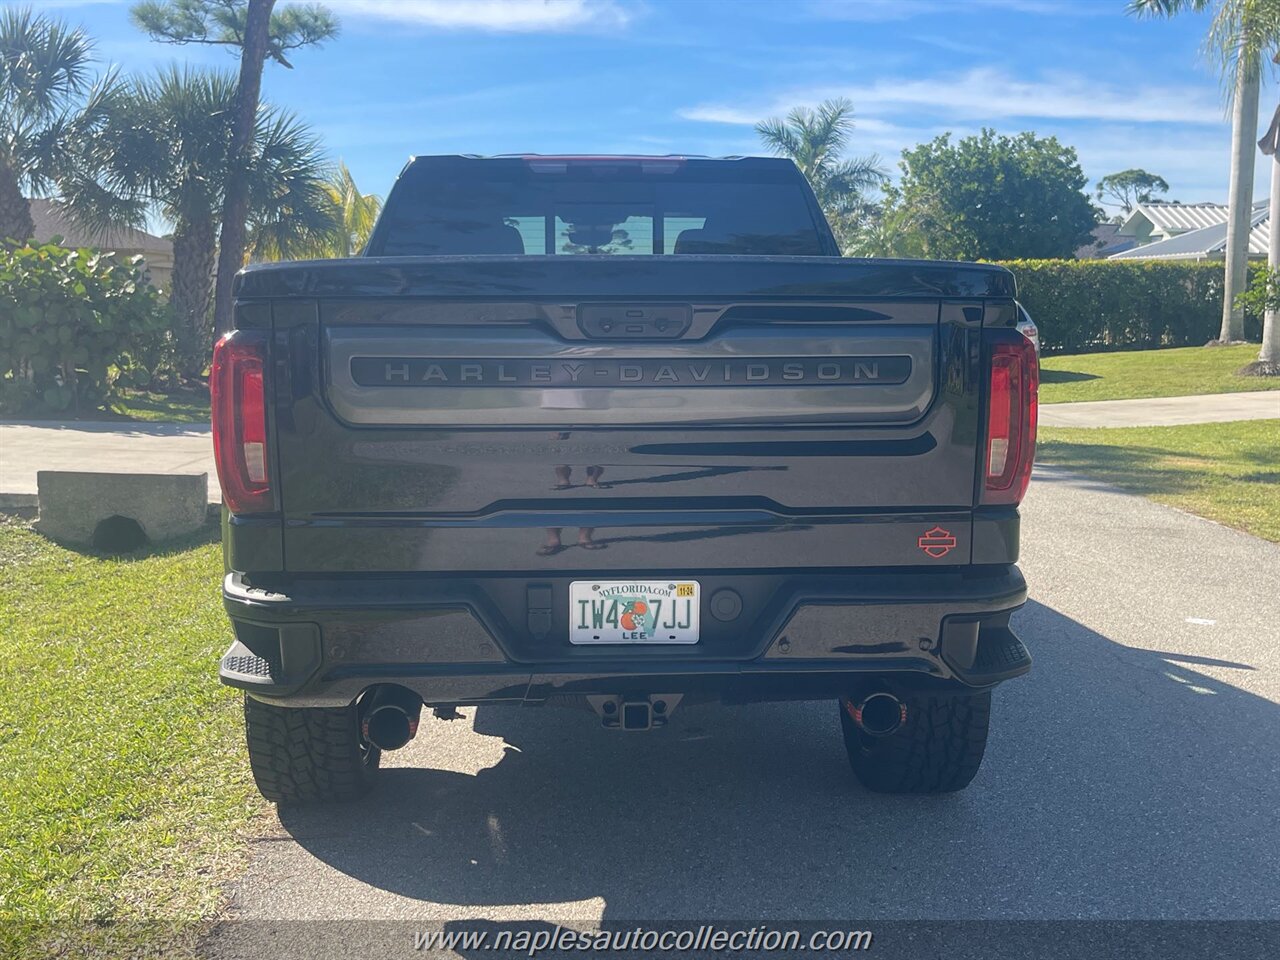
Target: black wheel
{"type": "Point", "coordinates": [308, 755]}
{"type": "Point", "coordinates": [937, 749]}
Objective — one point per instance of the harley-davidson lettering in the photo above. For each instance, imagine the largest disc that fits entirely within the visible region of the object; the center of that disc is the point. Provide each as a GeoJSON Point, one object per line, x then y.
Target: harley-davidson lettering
{"type": "Point", "coordinates": [767, 371]}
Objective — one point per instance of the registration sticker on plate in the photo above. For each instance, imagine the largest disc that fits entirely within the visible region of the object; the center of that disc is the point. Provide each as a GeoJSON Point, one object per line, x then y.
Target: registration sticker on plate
{"type": "Point", "coordinates": [628, 611]}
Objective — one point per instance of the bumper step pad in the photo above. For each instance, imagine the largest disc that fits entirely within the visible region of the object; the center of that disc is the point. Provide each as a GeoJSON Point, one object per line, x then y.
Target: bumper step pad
{"type": "Point", "coordinates": [248, 665]}
{"type": "Point", "coordinates": [1001, 655]}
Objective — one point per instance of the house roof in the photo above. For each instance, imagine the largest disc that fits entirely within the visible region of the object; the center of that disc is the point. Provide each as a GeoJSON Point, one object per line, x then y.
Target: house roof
{"type": "Point", "coordinates": [1176, 217]}
{"type": "Point", "coordinates": [1206, 243]}
{"type": "Point", "coordinates": [1106, 241]}
{"type": "Point", "coordinates": [1180, 217]}
{"type": "Point", "coordinates": [52, 221]}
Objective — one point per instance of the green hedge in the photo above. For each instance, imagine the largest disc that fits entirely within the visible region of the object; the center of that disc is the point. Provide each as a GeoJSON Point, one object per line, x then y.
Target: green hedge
{"type": "Point", "coordinates": [68, 320]}
{"type": "Point", "coordinates": [1087, 306]}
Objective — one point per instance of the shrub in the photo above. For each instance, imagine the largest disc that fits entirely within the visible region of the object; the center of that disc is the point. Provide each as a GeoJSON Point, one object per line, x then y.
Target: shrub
{"type": "Point", "coordinates": [152, 363]}
{"type": "Point", "coordinates": [1263, 292]}
{"type": "Point", "coordinates": [67, 318]}
{"type": "Point", "coordinates": [1086, 306]}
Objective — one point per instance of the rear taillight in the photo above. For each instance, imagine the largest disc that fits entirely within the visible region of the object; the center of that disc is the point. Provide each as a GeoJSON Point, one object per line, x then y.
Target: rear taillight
{"type": "Point", "coordinates": [237, 387]}
{"type": "Point", "coordinates": [1011, 420]}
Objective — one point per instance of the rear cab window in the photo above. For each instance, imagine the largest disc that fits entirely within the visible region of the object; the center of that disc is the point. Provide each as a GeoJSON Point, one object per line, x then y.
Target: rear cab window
{"type": "Point", "coordinates": [547, 206]}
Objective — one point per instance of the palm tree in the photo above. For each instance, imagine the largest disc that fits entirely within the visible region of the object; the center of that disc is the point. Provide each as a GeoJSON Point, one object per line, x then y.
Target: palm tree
{"type": "Point", "coordinates": [259, 33]}
{"type": "Point", "coordinates": [49, 104]}
{"type": "Point", "coordinates": [166, 150]}
{"type": "Point", "coordinates": [1241, 33]}
{"type": "Point", "coordinates": [292, 209]}
{"type": "Point", "coordinates": [815, 140]}
{"type": "Point", "coordinates": [357, 212]}
{"type": "Point", "coordinates": [1268, 362]}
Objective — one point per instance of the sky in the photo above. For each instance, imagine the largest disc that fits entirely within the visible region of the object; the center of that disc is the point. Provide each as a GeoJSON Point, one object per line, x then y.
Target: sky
{"type": "Point", "coordinates": [412, 77]}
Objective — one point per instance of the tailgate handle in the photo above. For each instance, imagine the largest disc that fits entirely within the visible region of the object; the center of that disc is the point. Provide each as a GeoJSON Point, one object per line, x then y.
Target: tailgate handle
{"type": "Point", "coordinates": [634, 321]}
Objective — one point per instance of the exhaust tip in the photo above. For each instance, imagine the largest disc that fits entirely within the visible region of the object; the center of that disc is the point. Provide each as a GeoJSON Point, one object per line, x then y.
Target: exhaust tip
{"type": "Point", "coordinates": [388, 727]}
{"type": "Point", "coordinates": [389, 716]}
{"type": "Point", "coordinates": [880, 714]}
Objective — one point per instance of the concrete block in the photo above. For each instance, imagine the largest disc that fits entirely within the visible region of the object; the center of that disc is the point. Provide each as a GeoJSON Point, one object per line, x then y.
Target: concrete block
{"type": "Point", "coordinates": [87, 508]}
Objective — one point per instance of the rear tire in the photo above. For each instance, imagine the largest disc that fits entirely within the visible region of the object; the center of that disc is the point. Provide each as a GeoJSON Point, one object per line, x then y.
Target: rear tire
{"type": "Point", "coordinates": [308, 754]}
{"type": "Point", "coordinates": [937, 750]}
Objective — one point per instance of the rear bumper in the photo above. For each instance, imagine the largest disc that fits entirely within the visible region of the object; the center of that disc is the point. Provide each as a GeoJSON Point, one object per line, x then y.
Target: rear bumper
{"type": "Point", "coordinates": [802, 635]}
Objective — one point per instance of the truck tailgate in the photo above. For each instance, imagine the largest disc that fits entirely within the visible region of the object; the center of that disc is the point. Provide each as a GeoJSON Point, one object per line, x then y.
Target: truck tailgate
{"type": "Point", "coordinates": [829, 421]}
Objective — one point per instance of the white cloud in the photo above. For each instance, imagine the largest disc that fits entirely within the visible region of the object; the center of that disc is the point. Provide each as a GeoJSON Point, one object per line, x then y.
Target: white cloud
{"type": "Point", "coordinates": [986, 94]}
{"type": "Point", "coordinates": [500, 16]}
{"type": "Point", "coordinates": [711, 113]}
{"type": "Point", "coordinates": [1180, 132]}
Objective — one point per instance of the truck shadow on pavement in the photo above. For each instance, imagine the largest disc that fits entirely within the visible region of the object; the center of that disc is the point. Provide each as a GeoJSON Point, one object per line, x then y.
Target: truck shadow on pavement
{"type": "Point", "coordinates": [1118, 783]}
{"type": "Point", "coordinates": [1065, 376]}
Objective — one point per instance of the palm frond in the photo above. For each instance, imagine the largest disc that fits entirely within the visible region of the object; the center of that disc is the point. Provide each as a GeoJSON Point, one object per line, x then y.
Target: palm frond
{"type": "Point", "coordinates": [778, 137]}
{"type": "Point", "coordinates": [1165, 8]}
{"type": "Point", "coordinates": [359, 213]}
{"type": "Point", "coordinates": [292, 209]}
{"type": "Point", "coordinates": [1241, 34]}
{"type": "Point", "coordinates": [813, 139]}
{"type": "Point", "coordinates": [99, 209]}
{"type": "Point", "coordinates": [43, 63]}
{"type": "Point", "coordinates": [44, 74]}
{"type": "Point", "coordinates": [832, 124]}
{"type": "Point", "coordinates": [856, 176]}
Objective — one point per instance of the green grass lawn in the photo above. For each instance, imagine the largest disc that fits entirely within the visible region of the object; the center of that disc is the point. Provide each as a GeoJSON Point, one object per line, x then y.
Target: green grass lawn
{"type": "Point", "coordinates": [178, 406]}
{"type": "Point", "coordinates": [184, 405]}
{"type": "Point", "coordinates": [125, 797]}
{"type": "Point", "coordinates": [1149, 373]}
{"type": "Point", "coordinates": [1229, 472]}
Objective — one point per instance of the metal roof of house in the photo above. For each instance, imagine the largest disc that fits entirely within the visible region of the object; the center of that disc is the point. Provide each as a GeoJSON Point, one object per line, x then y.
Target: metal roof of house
{"type": "Point", "coordinates": [1181, 217]}
{"type": "Point", "coordinates": [1207, 243]}
{"type": "Point", "coordinates": [50, 221]}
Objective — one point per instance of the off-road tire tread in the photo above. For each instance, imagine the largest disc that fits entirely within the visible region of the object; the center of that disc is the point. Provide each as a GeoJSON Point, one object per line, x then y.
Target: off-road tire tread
{"type": "Point", "coordinates": [937, 750]}
{"type": "Point", "coordinates": [307, 754]}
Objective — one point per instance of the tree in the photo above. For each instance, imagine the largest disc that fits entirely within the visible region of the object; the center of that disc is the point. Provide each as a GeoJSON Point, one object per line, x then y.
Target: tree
{"type": "Point", "coordinates": [1268, 362]}
{"type": "Point", "coordinates": [356, 214]}
{"type": "Point", "coordinates": [994, 197]}
{"type": "Point", "coordinates": [887, 230]}
{"type": "Point", "coordinates": [1242, 32]}
{"type": "Point", "coordinates": [226, 23]}
{"type": "Point", "coordinates": [359, 213]}
{"type": "Point", "coordinates": [166, 149]}
{"type": "Point", "coordinates": [49, 104]}
{"type": "Point", "coordinates": [815, 140]}
{"type": "Point", "coordinates": [257, 32]}
{"type": "Point", "coordinates": [1131, 186]}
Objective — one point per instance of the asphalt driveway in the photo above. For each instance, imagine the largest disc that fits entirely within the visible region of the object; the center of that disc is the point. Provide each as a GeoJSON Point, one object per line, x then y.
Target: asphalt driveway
{"type": "Point", "coordinates": [1134, 775]}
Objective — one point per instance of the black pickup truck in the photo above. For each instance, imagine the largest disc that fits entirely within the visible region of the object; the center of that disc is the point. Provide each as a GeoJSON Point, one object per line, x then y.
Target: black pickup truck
{"type": "Point", "coordinates": [623, 433]}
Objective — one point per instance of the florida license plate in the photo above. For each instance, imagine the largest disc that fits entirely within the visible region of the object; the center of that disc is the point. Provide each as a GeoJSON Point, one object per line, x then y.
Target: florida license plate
{"type": "Point", "coordinates": [628, 611]}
